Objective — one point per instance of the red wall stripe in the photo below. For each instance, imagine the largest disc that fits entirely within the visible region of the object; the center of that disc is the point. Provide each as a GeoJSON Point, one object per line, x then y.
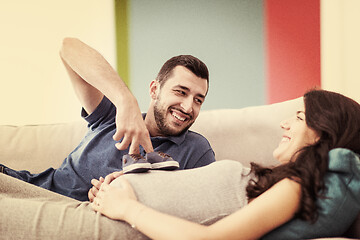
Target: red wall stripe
{"type": "Point", "coordinates": [292, 48]}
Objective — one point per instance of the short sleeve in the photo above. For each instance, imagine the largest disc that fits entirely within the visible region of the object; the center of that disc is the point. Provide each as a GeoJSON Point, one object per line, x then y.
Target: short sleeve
{"type": "Point", "coordinates": [104, 113]}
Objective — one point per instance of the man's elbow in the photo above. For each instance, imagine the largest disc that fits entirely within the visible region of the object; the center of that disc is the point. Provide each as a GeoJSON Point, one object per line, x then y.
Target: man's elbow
{"type": "Point", "coordinates": [66, 46]}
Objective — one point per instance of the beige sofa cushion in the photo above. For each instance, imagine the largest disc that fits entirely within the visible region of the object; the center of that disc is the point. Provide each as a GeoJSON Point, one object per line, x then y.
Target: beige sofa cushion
{"type": "Point", "coordinates": [245, 135]}
{"type": "Point", "coordinates": [248, 134]}
{"type": "Point", "coordinates": [38, 147]}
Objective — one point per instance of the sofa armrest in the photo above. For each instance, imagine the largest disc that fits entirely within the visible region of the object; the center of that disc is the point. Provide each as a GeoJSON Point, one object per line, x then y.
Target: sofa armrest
{"type": "Point", "coordinates": [38, 147]}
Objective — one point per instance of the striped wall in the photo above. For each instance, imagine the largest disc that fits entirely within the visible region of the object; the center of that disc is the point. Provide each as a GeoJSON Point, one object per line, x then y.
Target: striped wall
{"type": "Point", "coordinates": [232, 36]}
{"type": "Point", "coordinates": [122, 37]}
{"type": "Point", "coordinates": [258, 51]}
{"type": "Point", "coordinates": [227, 35]}
{"type": "Point", "coordinates": [292, 45]}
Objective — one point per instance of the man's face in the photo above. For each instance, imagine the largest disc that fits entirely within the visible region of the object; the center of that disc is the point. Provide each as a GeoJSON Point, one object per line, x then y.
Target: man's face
{"type": "Point", "coordinates": [178, 102]}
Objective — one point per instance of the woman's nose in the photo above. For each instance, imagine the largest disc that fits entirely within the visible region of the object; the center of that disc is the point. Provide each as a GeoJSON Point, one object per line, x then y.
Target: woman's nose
{"type": "Point", "coordinates": [285, 124]}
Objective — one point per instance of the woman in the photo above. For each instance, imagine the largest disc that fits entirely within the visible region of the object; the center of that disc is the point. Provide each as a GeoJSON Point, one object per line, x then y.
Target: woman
{"type": "Point", "coordinates": [326, 121]}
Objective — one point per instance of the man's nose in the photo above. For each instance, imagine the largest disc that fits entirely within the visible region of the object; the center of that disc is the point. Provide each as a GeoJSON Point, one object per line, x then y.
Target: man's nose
{"type": "Point", "coordinates": [187, 105]}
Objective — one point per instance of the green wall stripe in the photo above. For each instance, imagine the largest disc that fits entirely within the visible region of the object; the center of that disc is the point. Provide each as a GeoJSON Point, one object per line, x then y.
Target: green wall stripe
{"type": "Point", "coordinates": [122, 39]}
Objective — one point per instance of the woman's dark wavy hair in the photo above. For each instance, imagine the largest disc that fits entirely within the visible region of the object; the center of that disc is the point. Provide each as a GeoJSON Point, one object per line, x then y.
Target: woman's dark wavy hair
{"type": "Point", "coordinates": [336, 119]}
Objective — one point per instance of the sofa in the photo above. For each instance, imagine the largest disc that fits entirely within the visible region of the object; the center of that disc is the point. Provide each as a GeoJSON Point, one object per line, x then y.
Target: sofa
{"type": "Point", "coordinates": [247, 135]}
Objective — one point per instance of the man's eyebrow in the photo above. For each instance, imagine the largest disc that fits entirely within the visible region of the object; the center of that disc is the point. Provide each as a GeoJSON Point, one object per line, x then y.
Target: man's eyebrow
{"type": "Point", "coordinates": [188, 90]}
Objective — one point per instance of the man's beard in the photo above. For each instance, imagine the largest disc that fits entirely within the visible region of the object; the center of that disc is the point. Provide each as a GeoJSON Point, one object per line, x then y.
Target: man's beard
{"type": "Point", "coordinates": [160, 119]}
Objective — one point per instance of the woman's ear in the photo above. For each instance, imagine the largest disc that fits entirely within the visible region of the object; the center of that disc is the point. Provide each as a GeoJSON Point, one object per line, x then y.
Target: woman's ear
{"type": "Point", "coordinates": [317, 137]}
{"type": "Point", "coordinates": [154, 88]}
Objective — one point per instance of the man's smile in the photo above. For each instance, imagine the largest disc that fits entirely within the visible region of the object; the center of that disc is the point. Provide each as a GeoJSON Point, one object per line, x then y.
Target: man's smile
{"type": "Point", "coordinates": [179, 116]}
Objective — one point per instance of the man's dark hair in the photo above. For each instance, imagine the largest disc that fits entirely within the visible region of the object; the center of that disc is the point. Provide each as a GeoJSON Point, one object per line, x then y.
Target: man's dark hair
{"type": "Point", "coordinates": [192, 63]}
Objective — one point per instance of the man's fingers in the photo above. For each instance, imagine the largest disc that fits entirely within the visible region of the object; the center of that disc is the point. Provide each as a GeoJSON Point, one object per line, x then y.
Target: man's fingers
{"type": "Point", "coordinates": [118, 134]}
{"type": "Point", "coordinates": [147, 145]}
{"type": "Point", "coordinates": [134, 147]}
{"type": "Point", "coordinates": [124, 143]}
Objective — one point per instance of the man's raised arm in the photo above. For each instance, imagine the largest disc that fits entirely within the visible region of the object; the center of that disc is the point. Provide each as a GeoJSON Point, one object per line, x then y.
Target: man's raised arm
{"type": "Point", "coordinates": [92, 78]}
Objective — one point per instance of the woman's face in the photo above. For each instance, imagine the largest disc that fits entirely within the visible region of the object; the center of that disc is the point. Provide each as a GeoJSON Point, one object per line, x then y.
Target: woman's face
{"type": "Point", "coordinates": [296, 136]}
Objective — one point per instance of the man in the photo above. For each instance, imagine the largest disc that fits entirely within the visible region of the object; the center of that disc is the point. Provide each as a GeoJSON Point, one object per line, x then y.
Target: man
{"type": "Point", "coordinates": [117, 129]}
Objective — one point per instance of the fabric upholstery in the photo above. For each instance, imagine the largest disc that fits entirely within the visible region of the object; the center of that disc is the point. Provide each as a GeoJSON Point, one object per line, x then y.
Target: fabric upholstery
{"type": "Point", "coordinates": [235, 134]}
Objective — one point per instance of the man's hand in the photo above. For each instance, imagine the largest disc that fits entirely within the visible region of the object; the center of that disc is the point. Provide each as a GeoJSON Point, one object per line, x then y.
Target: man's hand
{"type": "Point", "coordinates": [131, 127]}
{"type": "Point", "coordinates": [97, 184]}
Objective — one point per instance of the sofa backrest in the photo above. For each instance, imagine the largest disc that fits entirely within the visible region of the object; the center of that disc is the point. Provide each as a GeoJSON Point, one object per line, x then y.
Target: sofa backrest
{"type": "Point", "coordinates": [38, 147]}
{"type": "Point", "coordinates": [247, 135]}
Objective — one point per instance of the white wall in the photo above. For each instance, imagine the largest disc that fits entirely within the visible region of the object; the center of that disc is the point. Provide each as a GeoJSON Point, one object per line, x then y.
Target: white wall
{"type": "Point", "coordinates": [34, 85]}
{"type": "Point", "coordinates": [340, 48]}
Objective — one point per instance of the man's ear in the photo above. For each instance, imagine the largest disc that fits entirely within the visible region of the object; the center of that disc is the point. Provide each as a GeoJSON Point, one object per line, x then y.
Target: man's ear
{"type": "Point", "coordinates": [154, 89]}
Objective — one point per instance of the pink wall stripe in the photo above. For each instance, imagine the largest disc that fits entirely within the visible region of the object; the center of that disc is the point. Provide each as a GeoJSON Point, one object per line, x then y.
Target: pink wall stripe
{"type": "Point", "coordinates": [292, 43]}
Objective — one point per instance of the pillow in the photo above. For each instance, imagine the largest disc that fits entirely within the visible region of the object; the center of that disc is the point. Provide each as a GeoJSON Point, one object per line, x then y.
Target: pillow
{"type": "Point", "coordinates": [340, 207]}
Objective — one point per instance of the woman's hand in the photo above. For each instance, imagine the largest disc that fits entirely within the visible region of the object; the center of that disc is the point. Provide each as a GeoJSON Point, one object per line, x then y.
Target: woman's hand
{"type": "Point", "coordinates": [95, 189]}
{"type": "Point", "coordinates": [97, 183]}
{"type": "Point", "coordinates": [113, 202]}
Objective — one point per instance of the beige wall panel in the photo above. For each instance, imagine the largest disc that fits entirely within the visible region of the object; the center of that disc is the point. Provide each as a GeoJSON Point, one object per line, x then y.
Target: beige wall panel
{"type": "Point", "coordinates": [34, 84]}
{"type": "Point", "coordinates": [340, 37]}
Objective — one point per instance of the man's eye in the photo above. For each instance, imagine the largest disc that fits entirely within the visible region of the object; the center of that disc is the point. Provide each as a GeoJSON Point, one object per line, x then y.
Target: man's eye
{"type": "Point", "coordinates": [198, 101]}
{"type": "Point", "coordinates": [181, 92]}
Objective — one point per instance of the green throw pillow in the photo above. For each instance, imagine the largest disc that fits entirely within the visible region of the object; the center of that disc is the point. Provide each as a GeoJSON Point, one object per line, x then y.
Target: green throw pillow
{"type": "Point", "coordinates": [340, 207]}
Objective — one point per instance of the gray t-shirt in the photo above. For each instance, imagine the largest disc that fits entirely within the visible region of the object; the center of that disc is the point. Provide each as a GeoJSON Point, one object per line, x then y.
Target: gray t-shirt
{"type": "Point", "coordinates": [202, 195]}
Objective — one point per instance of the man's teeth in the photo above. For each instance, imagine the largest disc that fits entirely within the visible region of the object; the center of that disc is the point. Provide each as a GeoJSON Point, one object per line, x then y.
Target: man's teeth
{"type": "Point", "coordinates": [178, 117]}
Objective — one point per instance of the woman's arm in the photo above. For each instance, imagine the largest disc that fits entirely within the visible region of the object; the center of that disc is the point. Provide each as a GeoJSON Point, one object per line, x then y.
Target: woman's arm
{"type": "Point", "coordinates": [270, 210]}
